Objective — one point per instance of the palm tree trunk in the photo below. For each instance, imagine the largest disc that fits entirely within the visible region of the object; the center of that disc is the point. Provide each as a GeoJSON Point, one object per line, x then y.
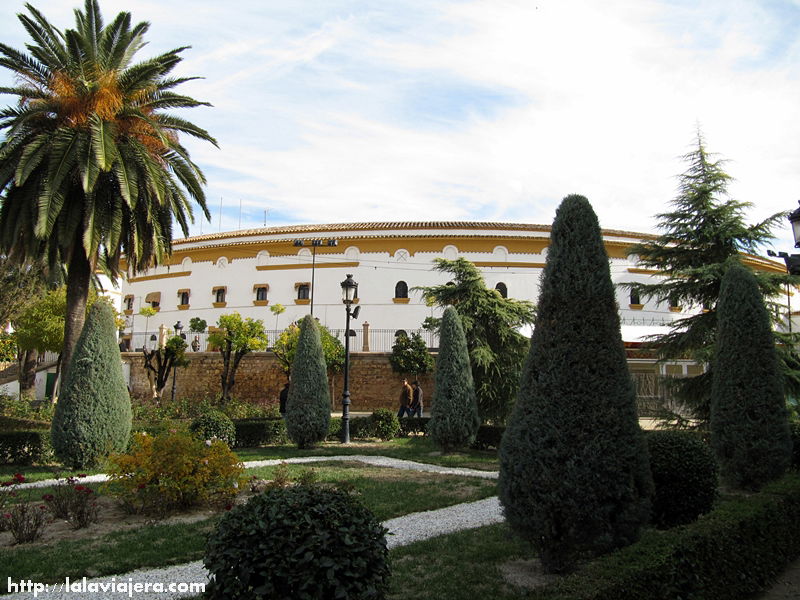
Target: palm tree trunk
{"type": "Point", "coordinates": [78, 279]}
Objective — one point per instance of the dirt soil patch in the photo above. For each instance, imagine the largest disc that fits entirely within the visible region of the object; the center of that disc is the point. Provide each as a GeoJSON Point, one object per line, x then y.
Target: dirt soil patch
{"type": "Point", "coordinates": [526, 574]}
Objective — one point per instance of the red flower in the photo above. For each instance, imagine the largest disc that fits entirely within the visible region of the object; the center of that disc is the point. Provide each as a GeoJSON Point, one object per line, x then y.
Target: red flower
{"type": "Point", "coordinates": [19, 477]}
{"type": "Point", "coordinates": [79, 488]}
{"type": "Point", "coordinates": [141, 486]}
{"type": "Point", "coordinates": [47, 497]}
{"type": "Point", "coordinates": [7, 483]}
{"type": "Point", "coordinates": [42, 507]}
{"type": "Point", "coordinates": [228, 506]}
{"type": "Point", "coordinates": [82, 475]}
{"type": "Point", "coordinates": [7, 515]}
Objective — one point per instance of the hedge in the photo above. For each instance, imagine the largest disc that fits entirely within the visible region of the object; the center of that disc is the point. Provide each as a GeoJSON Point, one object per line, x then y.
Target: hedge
{"type": "Point", "coordinates": [488, 436]}
{"type": "Point", "coordinates": [415, 425]}
{"type": "Point", "coordinates": [251, 433]}
{"type": "Point", "coordinates": [25, 447]}
{"type": "Point", "coordinates": [18, 424]}
{"type": "Point", "coordinates": [731, 553]}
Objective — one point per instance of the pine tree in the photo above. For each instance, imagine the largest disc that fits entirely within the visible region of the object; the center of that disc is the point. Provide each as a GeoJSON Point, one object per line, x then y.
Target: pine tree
{"type": "Point", "coordinates": [704, 230]}
{"type": "Point", "coordinates": [93, 414]}
{"type": "Point", "coordinates": [308, 410]}
{"type": "Point", "coordinates": [496, 349]}
{"type": "Point", "coordinates": [454, 414]}
{"type": "Point", "coordinates": [574, 473]}
{"type": "Point", "coordinates": [749, 420]}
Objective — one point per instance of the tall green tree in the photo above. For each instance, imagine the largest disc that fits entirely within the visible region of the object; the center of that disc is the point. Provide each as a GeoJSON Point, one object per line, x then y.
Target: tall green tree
{"type": "Point", "coordinates": [574, 473]}
{"type": "Point", "coordinates": [454, 414]}
{"type": "Point", "coordinates": [749, 419]}
{"type": "Point", "coordinates": [705, 228]}
{"type": "Point", "coordinates": [491, 323]}
{"type": "Point", "coordinates": [285, 348]}
{"type": "Point", "coordinates": [308, 410]}
{"type": "Point", "coordinates": [93, 415]}
{"type": "Point", "coordinates": [235, 338]}
{"type": "Point", "coordinates": [411, 355]}
{"type": "Point", "coordinates": [91, 167]}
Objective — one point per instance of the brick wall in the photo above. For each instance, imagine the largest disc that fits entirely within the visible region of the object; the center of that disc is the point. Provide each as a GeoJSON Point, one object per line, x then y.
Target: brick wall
{"type": "Point", "coordinates": [373, 384]}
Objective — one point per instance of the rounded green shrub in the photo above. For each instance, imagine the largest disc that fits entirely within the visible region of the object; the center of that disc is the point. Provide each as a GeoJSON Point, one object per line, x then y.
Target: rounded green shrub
{"type": "Point", "coordinates": [685, 477]}
{"type": "Point", "coordinates": [214, 424]}
{"type": "Point", "coordinates": [300, 542]}
{"type": "Point", "coordinates": [385, 424]}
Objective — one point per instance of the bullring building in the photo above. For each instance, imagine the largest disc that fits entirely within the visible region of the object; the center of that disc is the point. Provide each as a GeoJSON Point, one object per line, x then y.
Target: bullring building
{"type": "Point", "coordinates": [301, 268]}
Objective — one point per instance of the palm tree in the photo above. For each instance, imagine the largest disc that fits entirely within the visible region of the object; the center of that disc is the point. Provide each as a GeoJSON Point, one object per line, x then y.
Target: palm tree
{"type": "Point", "coordinates": [91, 169]}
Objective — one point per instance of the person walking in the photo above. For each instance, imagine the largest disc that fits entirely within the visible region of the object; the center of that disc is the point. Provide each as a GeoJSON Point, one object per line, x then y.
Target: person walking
{"type": "Point", "coordinates": [406, 395]}
{"type": "Point", "coordinates": [416, 400]}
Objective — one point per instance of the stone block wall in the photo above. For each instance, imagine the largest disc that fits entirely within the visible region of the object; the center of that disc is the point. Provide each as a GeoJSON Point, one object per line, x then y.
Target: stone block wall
{"type": "Point", "coordinates": [373, 383]}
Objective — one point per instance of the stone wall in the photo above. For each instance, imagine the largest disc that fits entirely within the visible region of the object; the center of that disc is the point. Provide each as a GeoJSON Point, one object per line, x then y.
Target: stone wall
{"type": "Point", "coordinates": [373, 383]}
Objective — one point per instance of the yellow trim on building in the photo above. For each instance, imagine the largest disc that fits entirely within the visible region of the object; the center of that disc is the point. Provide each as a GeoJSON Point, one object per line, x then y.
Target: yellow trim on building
{"type": "Point", "coordinates": [401, 300]}
{"type": "Point", "coordinates": [302, 300]}
{"type": "Point", "coordinates": [509, 264]}
{"type": "Point", "coordinates": [260, 302]}
{"type": "Point", "coordinates": [318, 265]}
{"type": "Point", "coordinates": [161, 276]}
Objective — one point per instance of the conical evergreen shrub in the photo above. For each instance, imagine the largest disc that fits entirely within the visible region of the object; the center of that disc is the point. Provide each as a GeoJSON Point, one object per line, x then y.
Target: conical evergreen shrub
{"type": "Point", "coordinates": [454, 414]}
{"type": "Point", "coordinates": [93, 414]}
{"type": "Point", "coordinates": [308, 409]}
{"type": "Point", "coordinates": [574, 474]}
{"type": "Point", "coordinates": [749, 421]}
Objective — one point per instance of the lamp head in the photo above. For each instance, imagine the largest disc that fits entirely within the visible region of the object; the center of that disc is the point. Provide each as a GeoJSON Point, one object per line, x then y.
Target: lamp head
{"type": "Point", "coordinates": [794, 219]}
{"type": "Point", "coordinates": [349, 290]}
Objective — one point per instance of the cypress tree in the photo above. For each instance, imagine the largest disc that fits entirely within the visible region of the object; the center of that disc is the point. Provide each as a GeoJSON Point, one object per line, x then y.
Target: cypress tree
{"type": "Point", "coordinates": [454, 414]}
{"type": "Point", "coordinates": [749, 420]}
{"type": "Point", "coordinates": [93, 414]}
{"type": "Point", "coordinates": [308, 410]}
{"type": "Point", "coordinates": [574, 473]}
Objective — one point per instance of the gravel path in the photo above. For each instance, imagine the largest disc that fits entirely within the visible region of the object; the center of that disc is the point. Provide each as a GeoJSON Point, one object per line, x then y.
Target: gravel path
{"type": "Point", "coordinates": [378, 461]}
{"type": "Point", "coordinates": [402, 531]}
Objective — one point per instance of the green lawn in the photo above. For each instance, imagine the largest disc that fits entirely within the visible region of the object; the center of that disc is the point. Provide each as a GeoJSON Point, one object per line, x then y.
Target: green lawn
{"type": "Point", "coordinates": [387, 492]}
{"type": "Point", "coordinates": [419, 449]}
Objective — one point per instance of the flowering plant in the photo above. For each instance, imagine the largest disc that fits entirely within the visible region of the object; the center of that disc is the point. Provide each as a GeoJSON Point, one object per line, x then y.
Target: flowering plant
{"type": "Point", "coordinates": [24, 519]}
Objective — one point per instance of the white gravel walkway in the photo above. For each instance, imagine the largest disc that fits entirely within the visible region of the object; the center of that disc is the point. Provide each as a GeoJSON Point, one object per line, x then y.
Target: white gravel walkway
{"type": "Point", "coordinates": [402, 531]}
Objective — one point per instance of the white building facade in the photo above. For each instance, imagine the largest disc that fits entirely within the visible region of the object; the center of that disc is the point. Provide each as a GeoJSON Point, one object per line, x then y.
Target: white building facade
{"type": "Point", "coordinates": [301, 267]}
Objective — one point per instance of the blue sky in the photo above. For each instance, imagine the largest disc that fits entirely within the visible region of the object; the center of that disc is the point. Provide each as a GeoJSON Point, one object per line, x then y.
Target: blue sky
{"type": "Point", "coordinates": [339, 110]}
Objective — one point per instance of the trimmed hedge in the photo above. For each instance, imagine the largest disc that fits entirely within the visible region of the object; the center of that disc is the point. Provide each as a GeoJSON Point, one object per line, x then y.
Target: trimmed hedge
{"type": "Point", "coordinates": [251, 433]}
{"type": "Point", "coordinates": [25, 447]}
{"type": "Point", "coordinates": [731, 553]}
{"type": "Point", "coordinates": [17, 424]}
{"type": "Point", "coordinates": [415, 425]}
{"type": "Point", "coordinates": [214, 424]}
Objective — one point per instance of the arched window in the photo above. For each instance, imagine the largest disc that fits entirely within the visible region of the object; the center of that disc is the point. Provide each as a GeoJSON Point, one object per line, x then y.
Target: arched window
{"type": "Point", "coordinates": [501, 287]}
{"type": "Point", "coordinates": [128, 302]}
{"type": "Point", "coordinates": [401, 289]}
{"type": "Point", "coordinates": [261, 293]}
{"type": "Point", "coordinates": [303, 291]}
{"type": "Point", "coordinates": [219, 294]}
{"type": "Point", "coordinates": [184, 298]}
{"type": "Point", "coordinates": [673, 302]}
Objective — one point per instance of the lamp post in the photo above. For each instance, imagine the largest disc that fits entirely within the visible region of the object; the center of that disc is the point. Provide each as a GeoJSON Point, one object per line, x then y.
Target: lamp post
{"type": "Point", "coordinates": [314, 244]}
{"type": "Point", "coordinates": [792, 260]}
{"type": "Point", "coordinates": [178, 327]}
{"type": "Point", "coordinates": [349, 294]}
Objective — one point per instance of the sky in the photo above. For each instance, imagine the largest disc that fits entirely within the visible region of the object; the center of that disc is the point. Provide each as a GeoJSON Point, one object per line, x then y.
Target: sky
{"type": "Point", "coordinates": [330, 111]}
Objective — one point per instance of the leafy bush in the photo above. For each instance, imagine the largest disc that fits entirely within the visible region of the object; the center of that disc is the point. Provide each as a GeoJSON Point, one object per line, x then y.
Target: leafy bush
{"type": "Point", "coordinates": [25, 447]}
{"type": "Point", "coordinates": [251, 433]}
{"type": "Point", "coordinates": [73, 502]}
{"type": "Point", "coordinates": [361, 428]}
{"type": "Point", "coordinates": [385, 424]}
{"type": "Point", "coordinates": [93, 415]}
{"type": "Point", "coordinates": [684, 475]}
{"type": "Point", "coordinates": [730, 553]}
{"type": "Point", "coordinates": [214, 424]}
{"type": "Point", "coordinates": [173, 471]}
{"type": "Point", "coordinates": [300, 542]}
{"type": "Point", "coordinates": [488, 436]}
{"type": "Point", "coordinates": [24, 519]}
{"type": "Point", "coordinates": [13, 406]}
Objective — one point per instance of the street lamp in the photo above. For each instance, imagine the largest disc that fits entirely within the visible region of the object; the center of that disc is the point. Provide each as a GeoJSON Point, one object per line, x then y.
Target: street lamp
{"type": "Point", "coordinates": [314, 244]}
{"type": "Point", "coordinates": [349, 294]}
{"type": "Point", "coordinates": [792, 260]}
{"type": "Point", "coordinates": [178, 327]}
